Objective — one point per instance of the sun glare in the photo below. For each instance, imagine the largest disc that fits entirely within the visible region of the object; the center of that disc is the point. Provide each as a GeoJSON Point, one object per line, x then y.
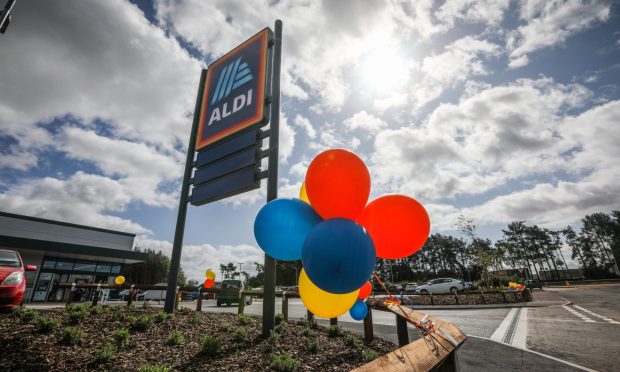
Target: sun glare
{"type": "Point", "coordinates": [384, 71]}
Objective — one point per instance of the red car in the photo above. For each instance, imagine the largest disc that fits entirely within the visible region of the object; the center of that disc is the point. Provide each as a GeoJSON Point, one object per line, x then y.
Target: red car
{"type": "Point", "coordinates": [12, 279]}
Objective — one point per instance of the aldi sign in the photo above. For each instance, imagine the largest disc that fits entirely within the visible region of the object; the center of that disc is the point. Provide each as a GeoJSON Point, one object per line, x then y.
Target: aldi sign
{"type": "Point", "coordinates": [235, 91]}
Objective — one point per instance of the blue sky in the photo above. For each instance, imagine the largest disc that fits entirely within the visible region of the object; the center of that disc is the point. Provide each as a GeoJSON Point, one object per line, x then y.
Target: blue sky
{"type": "Point", "coordinates": [496, 110]}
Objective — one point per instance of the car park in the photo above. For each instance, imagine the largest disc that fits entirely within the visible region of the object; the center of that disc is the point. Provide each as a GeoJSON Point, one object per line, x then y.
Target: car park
{"type": "Point", "coordinates": [12, 279]}
{"type": "Point", "coordinates": [411, 287]}
{"type": "Point", "coordinates": [441, 285]}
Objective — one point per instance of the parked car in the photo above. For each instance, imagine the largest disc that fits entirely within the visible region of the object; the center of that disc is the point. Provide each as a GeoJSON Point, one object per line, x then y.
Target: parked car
{"type": "Point", "coordinates": [292, 290]}
{"type": "Point", "coordinates": [122, 295]}
{"type": "Point", "coordinates": [12, 279]}
{"type": "Point", "coordinates": [230, 293]}
{"type": "Point", "coordinates": [441, 285]}
{"type": "Point", "coordinates": [411, 287]}
{"type": "Point", "coordinates": [156, 294]}
{"type": "Point", "coordinates": [469, 286]}
{"type": "Point", "coordinates": [532, 283]}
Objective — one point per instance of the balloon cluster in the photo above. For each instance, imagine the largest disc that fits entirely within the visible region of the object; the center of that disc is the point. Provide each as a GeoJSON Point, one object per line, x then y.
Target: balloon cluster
{"type": "Point", "coordinates": [512, 286]}
{"type": "Point", "coordinates": [210, 278]}
{"type": "Point", "coordinates": [337, 235]}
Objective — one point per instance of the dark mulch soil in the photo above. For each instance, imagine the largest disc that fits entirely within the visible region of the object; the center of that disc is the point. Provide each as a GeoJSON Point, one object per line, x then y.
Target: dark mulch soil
{"type": "Point", "coordinates": [469, 298]}
{"type": "Point", "coordinates": [23, 347]}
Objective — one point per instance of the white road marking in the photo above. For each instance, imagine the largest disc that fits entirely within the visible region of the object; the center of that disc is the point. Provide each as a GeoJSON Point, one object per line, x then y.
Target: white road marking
{"type": "Point", "coordinates": [579, 315]}
{"type": "Point", "coordinates": [520, 337]}
{"type": "Point", "coordinates": [500, 332]}
{"type": "Point", "coordinates": [609, 320]}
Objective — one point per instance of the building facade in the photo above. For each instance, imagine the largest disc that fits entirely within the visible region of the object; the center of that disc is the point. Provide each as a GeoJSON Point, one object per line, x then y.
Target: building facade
{"type": "Point", "coordinates": [65, 253]}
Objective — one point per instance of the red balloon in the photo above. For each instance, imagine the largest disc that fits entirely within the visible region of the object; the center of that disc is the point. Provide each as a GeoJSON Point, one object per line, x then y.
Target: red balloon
{"type": "Point", "coordinates": [338, 184]}
{"type": "Point", "coordinates": [397, 224]}
{"type": "Point", "coordinates": [365, 291]}
{"type": "Point", "coordinates": [209, 283]}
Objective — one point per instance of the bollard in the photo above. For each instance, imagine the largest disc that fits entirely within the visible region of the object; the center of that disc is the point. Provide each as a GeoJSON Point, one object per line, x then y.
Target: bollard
{"type": "Point", "coordinates": [130, 297]}
{"type": "Point", "coordinates": [516, 298]}
{"type": "Point", "coordinates": [368, 332]}
{"type": "Point", "coordinates": [503, 296]}
{"type": "Point", "coordinates": [177, 297]}
{"type": "Point", "coordinates": [432, 300]}
{"type": "Point", "coordinates": [456, 298]}
{"type": "Point", "coordinates": [70, 295]}
{"type": "Point", "coordinates": [241, 302]}
{"type": "Point", "coordinates": [333, 321]}
{"type": "Point", "coordinates": [528, 294]}
{"type": "Point", "coordinates": [199, 301]}
{"type": "Point", "coordinates": [96, 296]}
{"type": "Point", "coordinates": [401, 330]}
{"type": "Point", "coordinates": [482, 296]}
{"type": "Point", "coordinates": [284, 306]}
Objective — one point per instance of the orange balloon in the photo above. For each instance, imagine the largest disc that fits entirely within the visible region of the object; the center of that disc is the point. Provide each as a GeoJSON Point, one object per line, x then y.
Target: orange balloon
{"type": "Point", "coordinates": [209, 283]}
{"type": "Point", "coordinates": [338, 184]}
{"type": "Point", "coordinates": [365, 291]}
{"type": "Point", "coordinates": [397, 224]}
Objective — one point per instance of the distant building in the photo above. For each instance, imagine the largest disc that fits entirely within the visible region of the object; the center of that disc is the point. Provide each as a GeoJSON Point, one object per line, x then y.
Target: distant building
{"type": "Point", "coordinates": [65, 253]}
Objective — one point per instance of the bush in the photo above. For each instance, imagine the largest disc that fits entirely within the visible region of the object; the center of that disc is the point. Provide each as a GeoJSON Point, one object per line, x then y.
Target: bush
{"type": "Point", "coordinates": [244, 319]}
{"type": "Point", "coordinates": [283, 362]}
{"type": "Point", "coordinates": [334, 331]}
{"type": "Point", "coordinates": [142, 323]}
{"type": "Point", "coordinates": [351, 340]}
{"type": "Point", "coordinates": [273, 338]}
{"type": "Point", "coordinates": [71, 336]}
{"type": "Point", "coordinates": [162, 316]}
{"type": "Point", "coordinates": [307, 332]}
{"type": "Point", "coordinates": [226, 327]}
{"type": "Point", "coordinates": [210, 346]}
{"type": "Point", "coordinates": [77, 313]}
{"type": "Point", "coordinates": [25, 315]}
{"type": "Point", "coordinates": [196, 318]}
{"type": "Point", "coordinates": [369, 355]}
{"type": "Point", "coordinates": [46, 325]}
{"type": "Point", "coordinates": [176, 339]}
{"type": "Point", "coordinates": [97, 309]}
{"type": "Point", "coordinates": [150, 368]}
{"type": "Point", "coordinates": [106, 354]}
{"type": "Point", "coordinates": [239, 334]}
{"type": "Point", "coordinates": [279, 328]}
{"type": "Point", "coordinates": [121, 338]}
{"type": "Point", "coordinates": [279, 318]}
{"type": "Point", "coordinates": [313, 324]}
{"type": "Point", "coordinates": [313, 346]}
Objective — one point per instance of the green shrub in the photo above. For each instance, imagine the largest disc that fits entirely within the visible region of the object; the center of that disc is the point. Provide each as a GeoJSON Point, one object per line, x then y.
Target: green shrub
{"type": "Point", "coordinates": [279, 318]}
{"type": "Point", "coordinates": [142, 323]}
{"type": "Point", "coordinates": [121, 338]}
{"type": "Point", "coordinates": [162, 316]}
{"type": "Point", "coordinates": [151, 368]}
{"type": "Point", "coordinates": [196, 318]}
{"type": "Point", "coordinates": [240, 333]}
{"type": "Point", "coordinates": [71, 336]}
{"type": "Point", "coordinates": [279, 328]}
{"type": "Point", "coordinates": [313, 324]}
{"type": "Point", "coordinates": [244, 319]}
{"type": "Point", "coordinates": [334, 331]}
{"type": "Point", "coordinates": [97, 309]}
{"type": "Point", "coordinates": [46, 325]}
{"type": "Point", "coordinates": [226, 327]}
{"type": "Point", "coordinates": [273, 338]}
{"type": "Point", "coordinates": [176, 339]}
{"type": "Point", "coordinates": [369, 355]}
{"type": "Point", "coordinates": [105, 355]}
{"type": "Point", "coordinates": [351, 340]}
{"type": "Point", "coordinates": [76, 317]}
{"type": "Point", "coordinates": [283, 362]}
{"type": "Point", "coordinates": [25, 314]}
{"type": "Point", "coordinates": [313, 346]}
{"type": "Point", "coordinates": [210, 346]}
{"type": "Point", "coordinates": [307, 332]}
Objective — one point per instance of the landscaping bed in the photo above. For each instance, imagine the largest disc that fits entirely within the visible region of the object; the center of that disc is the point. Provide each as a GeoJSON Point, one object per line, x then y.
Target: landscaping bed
{"type": "Point", "coordinates": [123, 338]}
{"type": "Point", "coordinates": [471, 298]}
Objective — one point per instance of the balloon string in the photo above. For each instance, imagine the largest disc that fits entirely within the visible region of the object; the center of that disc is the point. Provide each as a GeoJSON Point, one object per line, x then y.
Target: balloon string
{"type": "Point", "coordinates": [390, 298]}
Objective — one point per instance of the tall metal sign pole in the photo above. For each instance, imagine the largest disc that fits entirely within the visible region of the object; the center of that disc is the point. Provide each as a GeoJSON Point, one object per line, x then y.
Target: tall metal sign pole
{"type": "Point", "coordinates": [238, 95]}
{"type": "Point", "coordinates": [175, 260]}
{"type": "Point", "coordinates": [269, 288]}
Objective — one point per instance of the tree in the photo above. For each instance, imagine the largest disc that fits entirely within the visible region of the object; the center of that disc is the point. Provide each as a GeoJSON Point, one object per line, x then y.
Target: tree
{"type": "Point", "coordinates": [229, 270]}
{"type": "Point", "coordinates": [153, 270]}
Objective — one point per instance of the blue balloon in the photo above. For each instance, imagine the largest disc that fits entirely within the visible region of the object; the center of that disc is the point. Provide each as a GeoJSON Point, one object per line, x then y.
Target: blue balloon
{"type": "Point", "coordinates": [359, 310]}
{"type": "Point", "coordinates": [338, 255]}
{"type": "Point", "coordinates": [281, 227]}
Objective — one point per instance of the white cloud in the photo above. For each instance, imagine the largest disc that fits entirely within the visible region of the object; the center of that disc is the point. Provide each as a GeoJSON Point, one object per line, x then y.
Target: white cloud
{"type": "Point", "coordinates": [304, 123]}
{"type": "Point", "coordinates": [548, 23]}
{"type": "Point", "coordinates": [197, 259]}
{"type": "Point", "coordinates": [365, 121]}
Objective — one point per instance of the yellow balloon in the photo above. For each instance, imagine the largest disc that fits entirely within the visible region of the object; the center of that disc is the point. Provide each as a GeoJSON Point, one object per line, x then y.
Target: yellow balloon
{"type": "Point", "coordinates": [210, 274]}
{"type": "Point", "coordinates": [302, 193]}
{"type": "Point", "coordinates": [324, 304]}
{"type": "Point", "coordinates": [119, 280]}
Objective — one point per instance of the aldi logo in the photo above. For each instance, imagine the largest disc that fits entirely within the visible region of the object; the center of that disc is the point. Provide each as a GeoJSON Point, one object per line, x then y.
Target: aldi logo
{"type": "Point", "coordinates": [235, 91]}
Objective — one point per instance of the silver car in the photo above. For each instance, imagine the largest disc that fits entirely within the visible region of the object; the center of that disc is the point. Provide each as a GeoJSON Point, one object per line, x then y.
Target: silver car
{"type": "Point", "coordinates": [441, 285]}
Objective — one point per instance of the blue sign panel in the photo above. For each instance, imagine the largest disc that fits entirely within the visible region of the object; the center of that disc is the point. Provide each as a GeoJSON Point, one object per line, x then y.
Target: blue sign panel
{"type": "Point", "coordinates": [231, 145]}
{"type": "Point", "coordinates": [226, 165]}
{"type": "Point", "coordinates": [235, 91]}
{"type": "Point", "coordinates": [223, 187]}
